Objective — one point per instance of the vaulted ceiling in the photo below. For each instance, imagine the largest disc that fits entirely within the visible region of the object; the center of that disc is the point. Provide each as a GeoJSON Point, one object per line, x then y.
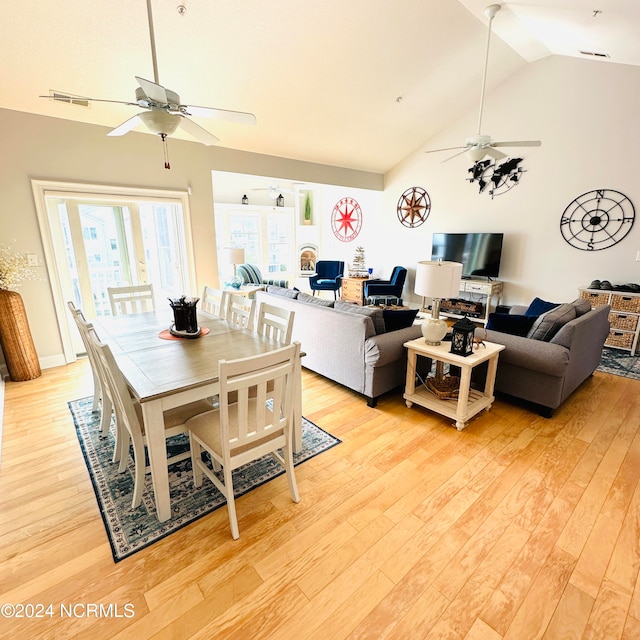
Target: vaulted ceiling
{"type": "Point", "coordinates": [353, 83]}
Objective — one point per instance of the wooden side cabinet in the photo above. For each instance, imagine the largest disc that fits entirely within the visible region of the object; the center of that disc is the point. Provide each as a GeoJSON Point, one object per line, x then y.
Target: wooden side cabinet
{"type": "Point", "coordinates": [353, 290]}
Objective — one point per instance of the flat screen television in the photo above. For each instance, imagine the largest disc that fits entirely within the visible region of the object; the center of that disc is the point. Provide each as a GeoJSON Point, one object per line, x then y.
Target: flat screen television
{"type": "Point", "coordinates": [479, 253]}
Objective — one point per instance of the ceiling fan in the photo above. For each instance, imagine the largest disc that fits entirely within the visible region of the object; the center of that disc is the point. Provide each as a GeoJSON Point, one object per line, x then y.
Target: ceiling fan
{"type": "Point", "coordinates": [163, 112]}
{"type": "Point", "coordinates": [478, 146]}
{"type": "Point", "coordinates": [275, 190]}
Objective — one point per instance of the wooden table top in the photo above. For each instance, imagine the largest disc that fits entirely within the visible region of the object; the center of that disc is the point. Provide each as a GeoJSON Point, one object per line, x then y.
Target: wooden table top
{"type": "Point", "coordinates": [155, 367]}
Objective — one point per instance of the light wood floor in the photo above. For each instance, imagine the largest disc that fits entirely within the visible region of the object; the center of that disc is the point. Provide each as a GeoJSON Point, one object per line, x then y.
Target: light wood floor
{"type": "Point", "coordinates": [518, 527]}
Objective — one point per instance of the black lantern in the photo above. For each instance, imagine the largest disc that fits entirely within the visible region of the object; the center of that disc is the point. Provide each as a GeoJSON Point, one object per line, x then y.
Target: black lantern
{"type": "Point", "coordinates": [280, 201]}
{"type": "Point", "coordinates": [245, 200]}
{"type": "Point", "coordinates": [462, 337]}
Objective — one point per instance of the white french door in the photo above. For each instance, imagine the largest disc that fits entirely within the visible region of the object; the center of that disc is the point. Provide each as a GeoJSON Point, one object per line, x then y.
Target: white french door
{"type": "Point", "coordinates": [112, 237]}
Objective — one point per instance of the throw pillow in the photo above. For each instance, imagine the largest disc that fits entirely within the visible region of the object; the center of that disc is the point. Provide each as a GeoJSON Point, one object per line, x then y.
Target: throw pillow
{"type": "Point", "coordinates": [321, 302]}
{"type": "Point", "coordinates": [372, 312]}
{"type": "Point", "coordinates": [282, 291]}
{"type": "Point", "coordinates": [516, 325]}
{"type": "Point", "coordinates": [582, 305]}
{"type": "Point", "coordinates": [539, 306]}
{"type": "Point", "coordinates": [395, 319]}
{"type": "Point", "coordinates": [548, 324]}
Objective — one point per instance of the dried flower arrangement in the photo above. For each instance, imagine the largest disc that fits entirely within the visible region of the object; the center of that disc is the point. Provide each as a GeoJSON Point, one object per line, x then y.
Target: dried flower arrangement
{"type": "Point", "coordinates": [14, 269]}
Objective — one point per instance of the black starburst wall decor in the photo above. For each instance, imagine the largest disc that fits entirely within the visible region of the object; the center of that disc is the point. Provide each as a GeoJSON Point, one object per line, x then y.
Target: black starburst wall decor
{"type": "Point", "coordinates": [500, 178]}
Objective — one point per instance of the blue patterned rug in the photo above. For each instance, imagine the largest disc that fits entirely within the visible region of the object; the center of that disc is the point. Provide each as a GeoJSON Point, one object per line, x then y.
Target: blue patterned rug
{"type": "Point", "coordinates": [130, 530]}
{"type": "Point", "coordinates": [620, 363]}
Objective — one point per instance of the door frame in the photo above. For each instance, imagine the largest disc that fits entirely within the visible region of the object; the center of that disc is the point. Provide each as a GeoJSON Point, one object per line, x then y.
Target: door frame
{"type": "Point", "coordinates": [105, 193]}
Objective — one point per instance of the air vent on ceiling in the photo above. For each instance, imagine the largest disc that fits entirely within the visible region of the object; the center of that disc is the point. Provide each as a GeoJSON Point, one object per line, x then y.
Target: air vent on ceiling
{"type": "Point", "coordinates": [69, 98]}
{"type": "Point", "coordinates": [594, 54]}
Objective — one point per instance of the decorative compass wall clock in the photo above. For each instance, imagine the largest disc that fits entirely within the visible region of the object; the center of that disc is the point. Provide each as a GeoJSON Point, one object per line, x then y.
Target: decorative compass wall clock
{"type": "Point", "coordinates": [414, 207]}
{"type": "Point", "coordinates": [597, 219]}
{"type": "Point", "coordinates": [346, 219]}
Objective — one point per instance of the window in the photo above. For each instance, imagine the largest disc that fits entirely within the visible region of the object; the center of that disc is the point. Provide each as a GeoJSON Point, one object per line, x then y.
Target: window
{"type": "Point", "coordinates": [265, 233]}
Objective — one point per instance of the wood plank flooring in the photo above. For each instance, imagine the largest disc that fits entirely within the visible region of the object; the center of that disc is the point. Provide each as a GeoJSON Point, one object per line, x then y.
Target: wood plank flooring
{"type": "Point", "coordinates": [519, 527]}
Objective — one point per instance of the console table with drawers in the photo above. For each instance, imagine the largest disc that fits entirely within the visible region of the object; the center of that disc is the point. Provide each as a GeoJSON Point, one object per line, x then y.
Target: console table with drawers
{"type": "Point", "coordinates": [624, 316]}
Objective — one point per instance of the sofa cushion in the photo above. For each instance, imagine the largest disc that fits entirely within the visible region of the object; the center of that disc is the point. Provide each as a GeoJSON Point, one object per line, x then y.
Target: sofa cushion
{"type": "Point", "coordinates": [282, 291]}
{"type": "Point", "coordinates": [308, 299]}
{"type": "Point", "coordinates": [539, 306]}
{"type": "Point", "coordinates": [372, 312]}
{"type": "Point", "coordinates": [582, 305]}
{"type": "Point", "coordinates": [515, 324]}
{"type": "Point", "coordinates": [548, 324]}
{"type": "Point", "coordinates": [395, 319]}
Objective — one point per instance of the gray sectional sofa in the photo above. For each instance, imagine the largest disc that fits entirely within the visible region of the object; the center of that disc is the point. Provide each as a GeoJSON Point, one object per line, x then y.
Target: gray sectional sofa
{"type": "Point", "coordinates": [347, 343]}
{"type": "Point", "coordinates": [558, 353]}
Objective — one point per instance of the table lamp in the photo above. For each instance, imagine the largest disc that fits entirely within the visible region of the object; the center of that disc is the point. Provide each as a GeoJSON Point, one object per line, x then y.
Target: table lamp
{"type": "Point", "coordinates": [436, 279]}
{"type": "Point", "coordinates": [234, 256]}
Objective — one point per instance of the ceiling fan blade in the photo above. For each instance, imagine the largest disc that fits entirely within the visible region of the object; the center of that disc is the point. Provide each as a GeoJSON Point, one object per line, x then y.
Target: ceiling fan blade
{"type": "Point", "coordinates": [518, 143]}
{"type": "Point", "coordinates": [126, 126]}
{"type": "Point", "coordinates": [198, 132]}
{"type": "Point", "coordinates": [66, 97]}
{"type": "Point", "coordinates": [494, 153]}
{"type": "Point", "coordinates": [455, 155]}
{"type": "Point", "coordinates": [218, 114]}
{"type": "Point", "coordinates": [154, 91]}
{"type": "Point", "coordinates": [444, 149]}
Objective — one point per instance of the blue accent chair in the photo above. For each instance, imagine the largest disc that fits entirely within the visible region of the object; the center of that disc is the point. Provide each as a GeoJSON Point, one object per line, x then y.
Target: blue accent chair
{"type": "Point", "coordinates": [391, 288]}
{"type": "Point", "coordinates": [328, 277]}
{"type": "Point", "coordinates": [250, 274]}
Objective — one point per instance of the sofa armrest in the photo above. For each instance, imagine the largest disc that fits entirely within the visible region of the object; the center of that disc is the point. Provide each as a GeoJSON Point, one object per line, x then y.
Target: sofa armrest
{"type": "Point", "coordinates": [388, 347]}
{"type": "Point", "coordinates": [544, 357]}
{"type": "Point", "coordinates": [518, 309]}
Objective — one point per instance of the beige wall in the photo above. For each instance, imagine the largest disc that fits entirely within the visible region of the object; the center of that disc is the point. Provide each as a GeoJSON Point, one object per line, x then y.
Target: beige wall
{"type": "Point", "coordinates": [54, 149]}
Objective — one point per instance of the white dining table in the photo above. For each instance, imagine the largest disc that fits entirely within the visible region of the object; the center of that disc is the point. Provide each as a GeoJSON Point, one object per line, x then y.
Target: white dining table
{"type": "Point", "coordinates": [167, 373]}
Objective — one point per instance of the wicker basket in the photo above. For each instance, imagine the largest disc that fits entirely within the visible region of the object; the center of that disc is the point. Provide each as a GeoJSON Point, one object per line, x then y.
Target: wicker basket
{"type": "Point", "coordinates": [620, 340]}
{"type": "Point", "coordinates": [15, 338]}
{"type": "Point", "coordinates": [625, 303]}
{"type": "Point", "coordinates": [623, 321]}
{"type": "Point", "coordinates": [596, 299]}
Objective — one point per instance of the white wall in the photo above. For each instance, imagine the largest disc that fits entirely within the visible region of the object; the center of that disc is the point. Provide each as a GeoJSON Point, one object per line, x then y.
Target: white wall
{"type": "Point", "coordinates": [586, 114]}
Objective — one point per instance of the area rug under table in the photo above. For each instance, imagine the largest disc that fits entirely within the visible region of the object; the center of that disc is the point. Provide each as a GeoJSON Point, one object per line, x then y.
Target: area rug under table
{"type": "Point", "coordinates": [620, 363]}
{"type": "Point", "coordinates": [130, 530]}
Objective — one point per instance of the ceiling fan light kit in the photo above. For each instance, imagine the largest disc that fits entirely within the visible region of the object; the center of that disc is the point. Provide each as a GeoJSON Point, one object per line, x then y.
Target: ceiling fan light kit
{"type": "Point", "coordinates": [479, 146]}
{"type": "Point", "coordinates": [163, 112]}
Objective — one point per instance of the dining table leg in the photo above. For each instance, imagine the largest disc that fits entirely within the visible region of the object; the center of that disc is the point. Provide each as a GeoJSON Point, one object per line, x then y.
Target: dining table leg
{"type": "Point", "coordinates": [157, 449]}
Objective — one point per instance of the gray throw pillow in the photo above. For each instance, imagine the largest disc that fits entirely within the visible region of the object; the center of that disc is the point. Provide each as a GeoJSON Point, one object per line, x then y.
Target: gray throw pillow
{"type": "Point", "coordinates": [321, 302]}
{"type": "Point", "coordinates": [375, 313]}
{"type": "Point", "coordinates": [582, 305]}
{"type": "Point", "coordinates": [549, 323]}
{"type": "Point", "coordinates": [282, 291]}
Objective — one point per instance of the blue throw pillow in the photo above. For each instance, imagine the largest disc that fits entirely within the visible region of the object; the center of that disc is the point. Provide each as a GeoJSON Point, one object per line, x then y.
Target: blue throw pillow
{"type": "Point", "coordinates": [538, 307]}
{"type": "Point", "coordinates": [395, 319]}
{"type": "Point", "coordinates": [514, 324]}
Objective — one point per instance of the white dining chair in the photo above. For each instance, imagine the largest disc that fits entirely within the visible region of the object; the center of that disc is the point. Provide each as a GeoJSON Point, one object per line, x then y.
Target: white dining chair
{"type": "Point", "coordinates": [130, 422]}
{"type": "Point", "coordinates": [275, 322]}
{"type": "Point", "coordinates": [101, 400]}
{"type": "Point", "coordinates": [255, 425]}
{"type": "Point", "coordinates": [134, 299]}
{"type": "Point", "coordinates": [240, 311]}
{"type": "Point", "coordinates": [214, 302]}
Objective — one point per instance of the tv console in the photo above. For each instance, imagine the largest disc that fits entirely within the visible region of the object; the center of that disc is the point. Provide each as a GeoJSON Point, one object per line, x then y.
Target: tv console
{"type": "Point", "coordinates": [476, 300]}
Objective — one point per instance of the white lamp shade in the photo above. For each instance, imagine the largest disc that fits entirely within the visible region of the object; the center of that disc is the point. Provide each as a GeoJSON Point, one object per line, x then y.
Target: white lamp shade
{"type": "Point", "coordinates": [234, 256]}
{"type": "Point", "coordinates": [438, 279]}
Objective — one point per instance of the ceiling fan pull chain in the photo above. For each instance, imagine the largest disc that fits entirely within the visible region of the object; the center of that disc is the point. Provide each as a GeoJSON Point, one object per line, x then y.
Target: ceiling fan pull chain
{"type": "Point", "coordinates": [165, 146]}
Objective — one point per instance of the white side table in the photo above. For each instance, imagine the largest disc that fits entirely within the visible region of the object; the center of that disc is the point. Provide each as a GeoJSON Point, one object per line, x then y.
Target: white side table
{"type": "Point", "coordinates": [469, 401]}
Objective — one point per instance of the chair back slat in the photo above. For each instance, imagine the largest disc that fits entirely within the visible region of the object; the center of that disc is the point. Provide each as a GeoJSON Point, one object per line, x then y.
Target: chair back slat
{"type": "Point", "coordinates": [134, 299]}
{"type": "Point", "coordinates": [240, 311]}
{"type": "Point", "coordinates": [214, 302]}
{"type": "Point", "coordinates": [275, 322]}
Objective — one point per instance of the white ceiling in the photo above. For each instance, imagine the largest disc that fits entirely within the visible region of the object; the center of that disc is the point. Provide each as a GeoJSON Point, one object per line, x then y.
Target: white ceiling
{"type": "Point", "coordinates": [353, 83]}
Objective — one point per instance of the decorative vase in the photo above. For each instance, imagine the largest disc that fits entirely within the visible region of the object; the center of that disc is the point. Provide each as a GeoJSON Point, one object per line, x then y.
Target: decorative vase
{"type": "Point", "coordinates": [19, 352]}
